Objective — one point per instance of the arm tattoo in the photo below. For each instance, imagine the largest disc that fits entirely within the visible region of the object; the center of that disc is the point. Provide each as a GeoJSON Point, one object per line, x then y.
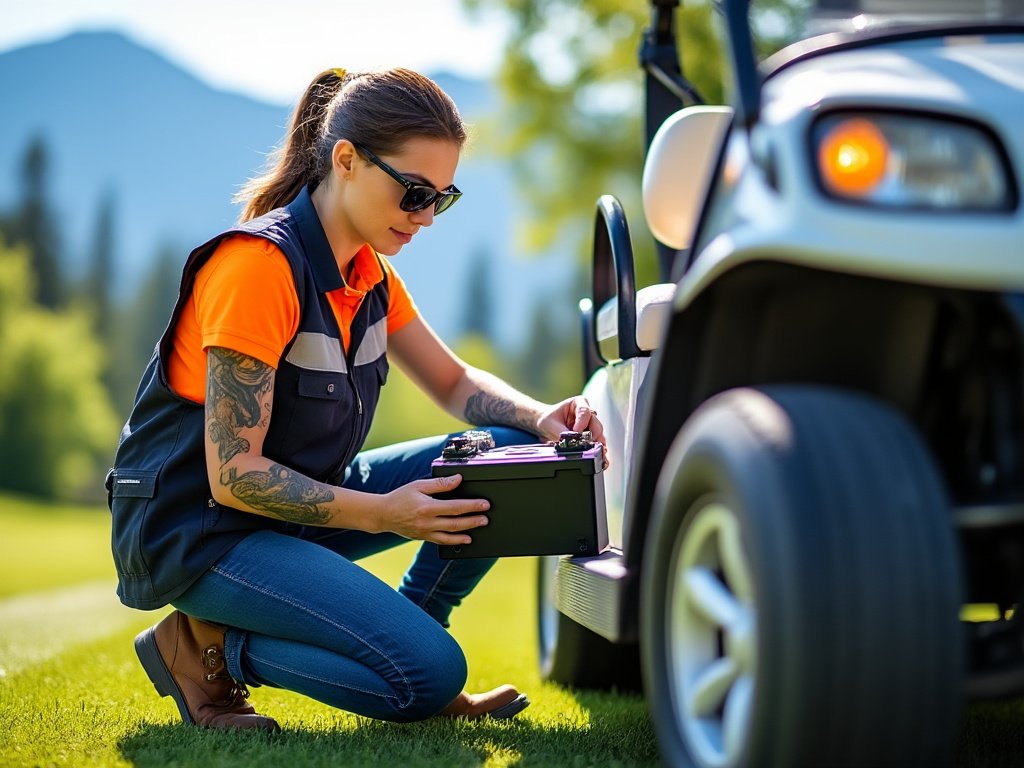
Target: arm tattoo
{"type": "Point", "coordinates": [486, 408]}
{"type": "Point", "coordinates": [236, 399]}
{"type": "Point", "coordinates": [283, 493]}
{"type": "Point", "coordinates": [236, 387]}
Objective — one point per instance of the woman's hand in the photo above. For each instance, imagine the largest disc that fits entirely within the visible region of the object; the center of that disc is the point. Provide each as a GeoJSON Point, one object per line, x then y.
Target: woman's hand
{"type": "Point", "coordinates": [573, 414]}
{"type": "Point", "coordinates": [411, 511]}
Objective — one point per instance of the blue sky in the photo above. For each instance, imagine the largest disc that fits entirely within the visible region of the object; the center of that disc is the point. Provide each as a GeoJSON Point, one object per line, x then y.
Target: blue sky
{"type": "Point", "coordinates": [270, 49]}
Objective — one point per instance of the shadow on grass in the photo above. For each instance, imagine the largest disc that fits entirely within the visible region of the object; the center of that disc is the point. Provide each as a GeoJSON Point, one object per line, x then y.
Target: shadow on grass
{"type": "Point", "coordinates": [992, 735]}
{"type": "Point", "coordinates": [615, 731]}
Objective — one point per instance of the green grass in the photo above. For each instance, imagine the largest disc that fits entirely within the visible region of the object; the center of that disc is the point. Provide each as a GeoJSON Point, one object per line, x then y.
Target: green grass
{"type": "Point", "coordinates": [73, 694]}
{"type": "Point", "coordinates": [46, 545]}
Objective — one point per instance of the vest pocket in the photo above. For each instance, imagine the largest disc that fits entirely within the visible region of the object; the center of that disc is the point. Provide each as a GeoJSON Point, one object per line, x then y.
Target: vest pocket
{"type": "Point", "coordinates": [324, 386]}
{"type": "Point", "coordinates": [130, 493]}
{"type": "Point", "coordinates": [132, 483]}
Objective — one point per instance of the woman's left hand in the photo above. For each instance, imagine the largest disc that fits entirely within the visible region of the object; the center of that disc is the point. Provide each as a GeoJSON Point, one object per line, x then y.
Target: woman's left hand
{"type": "Point", "coordinates": [573, 414]}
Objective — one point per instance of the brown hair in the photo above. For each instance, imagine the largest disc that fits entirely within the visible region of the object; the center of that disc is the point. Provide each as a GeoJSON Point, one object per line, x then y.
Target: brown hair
{"type": "Point", "coordinates": [379, 110]}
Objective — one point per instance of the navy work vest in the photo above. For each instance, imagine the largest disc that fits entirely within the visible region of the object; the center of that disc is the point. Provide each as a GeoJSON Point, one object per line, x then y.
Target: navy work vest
{"type": "Point", "coordinates": [167, 529]}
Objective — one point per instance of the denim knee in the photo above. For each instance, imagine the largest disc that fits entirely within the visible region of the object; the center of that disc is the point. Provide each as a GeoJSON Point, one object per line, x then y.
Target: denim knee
{"type": "Point", "coordinates": [436, 678]}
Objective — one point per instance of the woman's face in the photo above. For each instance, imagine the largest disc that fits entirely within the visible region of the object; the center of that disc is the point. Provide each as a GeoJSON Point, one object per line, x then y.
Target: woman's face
{"type": "Point", "coordinates": [370, 198]}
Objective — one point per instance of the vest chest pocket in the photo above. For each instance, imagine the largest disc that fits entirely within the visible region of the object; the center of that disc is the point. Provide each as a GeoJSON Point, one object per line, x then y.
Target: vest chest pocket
{"type": "Point", "coordinates": [323, 386]}
{"type": "Point", "coordinates": [307, 427]}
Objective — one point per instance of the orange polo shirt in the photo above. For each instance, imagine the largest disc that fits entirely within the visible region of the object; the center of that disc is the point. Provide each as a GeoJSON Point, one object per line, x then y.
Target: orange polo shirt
{"type": "Point", "coordinates": [244, 300]}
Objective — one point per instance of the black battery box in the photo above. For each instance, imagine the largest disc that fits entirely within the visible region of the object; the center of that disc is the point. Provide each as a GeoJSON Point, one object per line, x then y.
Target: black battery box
{"type": "Point", "coordinates": [546, 498]}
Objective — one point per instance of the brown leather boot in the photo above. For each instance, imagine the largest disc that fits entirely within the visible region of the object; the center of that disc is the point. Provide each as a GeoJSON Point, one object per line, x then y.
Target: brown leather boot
{"type": "Point", "coordinates": [501, 703]}
{"type": "Point", "coordinates": [184, 658]}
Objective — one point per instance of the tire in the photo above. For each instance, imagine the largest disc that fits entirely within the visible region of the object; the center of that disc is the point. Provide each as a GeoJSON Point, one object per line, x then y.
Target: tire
{"type": "Point", "coordinates": [574, 656]}
{"type": "Point", "coordinates": [801, 587]}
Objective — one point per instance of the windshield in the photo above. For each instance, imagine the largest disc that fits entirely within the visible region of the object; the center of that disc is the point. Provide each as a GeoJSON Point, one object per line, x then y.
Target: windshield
{"type": "Point", "coordinates": [857, 15]}
{"type": "Point", "coordinates": [777, 23]}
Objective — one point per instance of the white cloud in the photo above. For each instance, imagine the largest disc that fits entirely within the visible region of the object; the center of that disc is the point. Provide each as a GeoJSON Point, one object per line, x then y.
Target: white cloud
{"type": "Point", "coordinates": [271, 49]}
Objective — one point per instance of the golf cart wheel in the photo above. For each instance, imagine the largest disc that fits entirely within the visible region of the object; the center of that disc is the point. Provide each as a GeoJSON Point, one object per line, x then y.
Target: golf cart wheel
{"type": "Point", "coordinates": [572, 655]}
{"type": "Point", "coordinates": [801, 588]}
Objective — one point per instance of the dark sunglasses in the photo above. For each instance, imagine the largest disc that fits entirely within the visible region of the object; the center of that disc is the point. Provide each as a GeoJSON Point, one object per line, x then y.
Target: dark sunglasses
{"type": "Point", "coordinates": [417, 196]}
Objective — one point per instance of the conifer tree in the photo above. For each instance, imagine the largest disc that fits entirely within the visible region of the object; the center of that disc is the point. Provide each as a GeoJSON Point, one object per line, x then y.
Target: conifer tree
{"type": "Point", "coordinates": [478, 307]}
{"type": "Point", "coordinates": [100, 280]}
{"type": "Point", "coordinates": [34, 226]}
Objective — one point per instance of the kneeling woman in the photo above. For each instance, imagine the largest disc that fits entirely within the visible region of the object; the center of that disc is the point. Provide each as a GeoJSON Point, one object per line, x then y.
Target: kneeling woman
{"type": "Point", "coordinates": [238, 493]}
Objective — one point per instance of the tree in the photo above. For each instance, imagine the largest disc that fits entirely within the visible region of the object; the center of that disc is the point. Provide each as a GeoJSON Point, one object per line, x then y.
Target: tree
{"type": "Point", "coordinates": [478, 300]}
{"type": "Point", "coordinates": [100, 278]}
{"type": "Point", "coordinates": [546, 341]}
{"type": "Point", "coordinates": [406, 412]}
{"type": "Point", "coordinates": [141, 322]}
{"type": "Point", "coordinates": [57, 429]}
{"type": "Point", "coordinates": [571, 122]}
{"type": "Point", "coordinates": [34, 226]}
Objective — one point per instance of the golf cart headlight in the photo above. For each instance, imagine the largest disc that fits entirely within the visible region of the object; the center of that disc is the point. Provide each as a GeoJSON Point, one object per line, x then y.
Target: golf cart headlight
{"type": "Point", "coordinates": [910, 161]}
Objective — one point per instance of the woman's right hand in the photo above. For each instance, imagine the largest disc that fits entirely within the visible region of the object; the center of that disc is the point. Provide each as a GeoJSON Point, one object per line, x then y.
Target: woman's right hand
{"type": "Point", "coordinates": [412, 511]}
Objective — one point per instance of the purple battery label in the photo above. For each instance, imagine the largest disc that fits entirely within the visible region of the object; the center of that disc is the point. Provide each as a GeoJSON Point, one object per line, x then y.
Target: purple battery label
{"type": "Point", "coordinates": [522, 453]}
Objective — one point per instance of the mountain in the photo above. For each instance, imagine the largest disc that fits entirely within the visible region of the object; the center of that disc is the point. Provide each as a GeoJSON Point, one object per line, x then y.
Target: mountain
{"type": "Point", "coordinates": [118, 118]}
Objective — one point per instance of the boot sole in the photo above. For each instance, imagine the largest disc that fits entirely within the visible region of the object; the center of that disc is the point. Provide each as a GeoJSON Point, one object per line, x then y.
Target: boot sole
{"type": "Point", "coordinates": [159, 675]}
{"type": "Point", "coordinates": [513, 708]}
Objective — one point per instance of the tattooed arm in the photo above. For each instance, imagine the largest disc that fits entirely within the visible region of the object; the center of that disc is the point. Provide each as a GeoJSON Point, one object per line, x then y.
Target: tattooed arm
{"type": "Point", "coordinates": [239, 403]}
{"type": "Point", "coordinates": [478, 397]}
{"type": "Point", "coordinates": [239, 395]}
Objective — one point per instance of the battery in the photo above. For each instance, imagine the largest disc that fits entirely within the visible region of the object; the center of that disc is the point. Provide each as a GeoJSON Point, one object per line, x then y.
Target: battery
{"type": "Point", "coordinates": [543, 501]}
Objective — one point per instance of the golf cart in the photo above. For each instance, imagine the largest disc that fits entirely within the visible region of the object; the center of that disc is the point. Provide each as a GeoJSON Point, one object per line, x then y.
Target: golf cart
{"type": "Point", "coordinates": [816, 422]}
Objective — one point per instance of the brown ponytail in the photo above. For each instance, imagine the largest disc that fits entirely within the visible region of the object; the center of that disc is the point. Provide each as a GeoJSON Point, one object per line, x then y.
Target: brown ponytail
{"type": "Point", "coordinates": [292, 165]}
{"type": "Point", "coordinates": [380, 110]}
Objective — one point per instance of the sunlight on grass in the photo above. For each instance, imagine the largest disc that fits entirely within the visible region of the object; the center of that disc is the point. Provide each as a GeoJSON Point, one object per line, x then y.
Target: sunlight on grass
{"type": "Point", "coordinates": [38, 626]}
{"type": "Point", "coordinates": [75, 695]}
{"type": "Point", "coordinates": [50, 545]}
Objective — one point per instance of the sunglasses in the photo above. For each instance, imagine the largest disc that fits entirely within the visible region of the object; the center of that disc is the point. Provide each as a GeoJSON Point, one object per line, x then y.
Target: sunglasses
{"type": "Point", "coordinates": [417, 196]}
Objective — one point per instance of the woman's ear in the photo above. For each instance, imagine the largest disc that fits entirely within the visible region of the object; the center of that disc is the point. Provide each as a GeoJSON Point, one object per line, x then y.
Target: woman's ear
{"type": "Point", "coordinates": [343, 157]}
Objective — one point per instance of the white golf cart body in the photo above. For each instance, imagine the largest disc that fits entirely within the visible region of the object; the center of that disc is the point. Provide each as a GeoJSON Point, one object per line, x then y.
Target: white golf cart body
{"type": "Point", "coordinates": [816, 425]}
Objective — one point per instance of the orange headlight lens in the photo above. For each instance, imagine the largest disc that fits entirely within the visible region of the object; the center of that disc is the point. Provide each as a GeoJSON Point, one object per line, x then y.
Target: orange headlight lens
{"type": "Point", "coordinates": [911, 160]}
{"type": "Point", "coordinates": [852, 157]}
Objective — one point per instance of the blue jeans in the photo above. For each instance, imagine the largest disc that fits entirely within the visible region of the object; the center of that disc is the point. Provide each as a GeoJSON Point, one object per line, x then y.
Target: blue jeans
{"type": "Point", "coordinates": [301, 615]}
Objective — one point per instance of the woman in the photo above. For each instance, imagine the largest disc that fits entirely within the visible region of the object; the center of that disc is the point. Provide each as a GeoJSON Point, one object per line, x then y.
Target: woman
{"type": "Point", "coordinates": [237, 494]}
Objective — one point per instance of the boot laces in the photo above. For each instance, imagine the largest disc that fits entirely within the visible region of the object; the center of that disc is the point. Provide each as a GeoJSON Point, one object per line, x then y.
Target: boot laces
{"type": "Point", "coordinates": [213, 657]}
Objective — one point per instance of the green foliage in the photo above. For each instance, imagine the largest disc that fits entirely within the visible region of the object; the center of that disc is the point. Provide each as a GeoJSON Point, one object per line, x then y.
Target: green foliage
{"type": "Point", "coordinates": [406, 413]}
{"type": "Point", "coordinates": [572, 119]}
{"type": "Point", "coordinates": [549, 365]}
{"type": "Point", "coordinates": [57, 429]}
{"type": "Point", "coordinates": [100, 279]}
{"type": "Point", "coordinates": [140, 321]}
{"type": "Point", "coordinates": [33, 225]}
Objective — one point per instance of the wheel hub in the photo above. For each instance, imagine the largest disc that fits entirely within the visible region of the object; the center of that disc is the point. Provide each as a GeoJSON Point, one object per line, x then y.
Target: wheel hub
{"type": "Point", "coordinates": [712, 637]}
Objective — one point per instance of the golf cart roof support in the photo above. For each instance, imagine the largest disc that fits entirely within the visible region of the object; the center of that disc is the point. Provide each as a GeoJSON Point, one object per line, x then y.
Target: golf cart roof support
{"type": "Point", "coordinates": [665, 89]}
{"type": "Point", "coordinates": [744, 63]}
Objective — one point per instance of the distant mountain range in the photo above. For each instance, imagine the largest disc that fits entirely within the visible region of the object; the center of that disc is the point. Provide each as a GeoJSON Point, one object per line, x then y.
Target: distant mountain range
{"type": "Point", "coordinates": [118, 118]}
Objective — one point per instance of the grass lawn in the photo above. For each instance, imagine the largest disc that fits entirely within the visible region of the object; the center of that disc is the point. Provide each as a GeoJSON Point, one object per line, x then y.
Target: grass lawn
{"type": "Point", "coordinates": [73, 694]}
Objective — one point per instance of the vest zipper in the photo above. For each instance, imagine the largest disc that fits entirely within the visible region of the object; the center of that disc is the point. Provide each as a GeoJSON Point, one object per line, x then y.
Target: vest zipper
{"type": "Point", "coordinates": [357, 427]}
